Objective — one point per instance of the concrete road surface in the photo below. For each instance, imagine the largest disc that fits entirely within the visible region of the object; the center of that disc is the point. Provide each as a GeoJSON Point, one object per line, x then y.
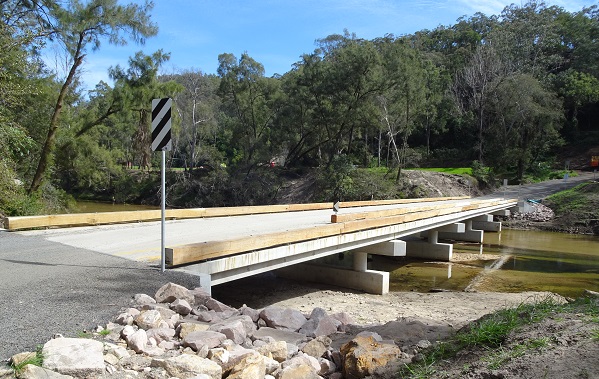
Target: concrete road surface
{"type": "Point", "coordinates": [65, 281]}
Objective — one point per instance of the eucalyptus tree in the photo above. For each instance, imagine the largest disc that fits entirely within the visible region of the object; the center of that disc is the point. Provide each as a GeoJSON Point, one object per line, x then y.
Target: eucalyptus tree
{"type": "Point", "coordinates": [335, 89]}
{"type": "Point", "coordinates": [80, 27]}
{"type": "Point", "coordinates": [197, 107]}
{"type": "Point", "coordinates": [249, 101]}
{"type": "Point", "coordinates": [526, 119]}
{"type": "Point", "coordinates": [473, 88]}
{"type": "Point", "coordinates": [404, 101]}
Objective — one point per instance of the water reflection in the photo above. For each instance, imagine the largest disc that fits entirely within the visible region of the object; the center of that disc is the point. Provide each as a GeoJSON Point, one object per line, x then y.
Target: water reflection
{"type": "Point", "coordinates": [510, 261]}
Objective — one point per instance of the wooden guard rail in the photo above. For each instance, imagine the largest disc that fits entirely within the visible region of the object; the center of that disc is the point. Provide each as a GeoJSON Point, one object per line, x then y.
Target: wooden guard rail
{"type": "Point", "coordinates": [102, 218]}
{"type": "Point", "coordinates": [196, 252]}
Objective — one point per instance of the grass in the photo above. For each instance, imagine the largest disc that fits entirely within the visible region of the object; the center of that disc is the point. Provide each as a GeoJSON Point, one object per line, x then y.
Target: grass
{"type": "Point", "coordinates": [490, 332]}
{"type": "Point", "coordinates": [447, 170]}
{"type": "Point", "coordinates": [104, 332]}
{"type": "Point", "coordinates": [35, 359]}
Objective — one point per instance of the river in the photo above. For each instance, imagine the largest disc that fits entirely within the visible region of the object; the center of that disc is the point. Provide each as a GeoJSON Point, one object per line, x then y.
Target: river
{"type": "Point", "coordinates": [510, 261]}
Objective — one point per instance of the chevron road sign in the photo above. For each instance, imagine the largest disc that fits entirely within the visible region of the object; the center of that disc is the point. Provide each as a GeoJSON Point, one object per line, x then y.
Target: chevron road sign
{"type": "Point", "coordinates": [161, 124]}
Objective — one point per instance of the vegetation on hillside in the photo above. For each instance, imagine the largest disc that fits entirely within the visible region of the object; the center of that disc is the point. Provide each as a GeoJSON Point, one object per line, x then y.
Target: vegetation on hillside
{"type": "Point", "coordinates": [503, 91]}
{"type": "Point", "coordinates": [520, 342]}
{"type": "Point", "coordinates": [576, 210]}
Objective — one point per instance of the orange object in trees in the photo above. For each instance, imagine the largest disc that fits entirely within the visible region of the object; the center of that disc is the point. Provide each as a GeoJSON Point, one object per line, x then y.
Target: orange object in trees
{"type": "Point", "coordinates": [595, 161]}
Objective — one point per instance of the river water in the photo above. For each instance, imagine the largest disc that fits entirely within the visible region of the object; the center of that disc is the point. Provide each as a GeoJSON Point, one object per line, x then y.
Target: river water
{"type": "Point", "coordinates": [510, 261]}
{"type": "Point", "coordinates": [83, 206]}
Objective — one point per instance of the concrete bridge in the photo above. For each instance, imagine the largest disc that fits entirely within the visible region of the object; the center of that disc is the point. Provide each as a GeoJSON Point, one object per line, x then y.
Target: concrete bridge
{"type": "Point", "coordinates": [224, 244]}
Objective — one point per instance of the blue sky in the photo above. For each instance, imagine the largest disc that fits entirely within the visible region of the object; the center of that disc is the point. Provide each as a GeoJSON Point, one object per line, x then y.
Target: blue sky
{"type": "Point", "coordinates": [277, 32]}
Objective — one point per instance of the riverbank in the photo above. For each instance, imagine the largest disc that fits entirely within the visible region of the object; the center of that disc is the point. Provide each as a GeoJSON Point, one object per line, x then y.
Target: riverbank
{"type": "Point", "coordinates": [574, 210]}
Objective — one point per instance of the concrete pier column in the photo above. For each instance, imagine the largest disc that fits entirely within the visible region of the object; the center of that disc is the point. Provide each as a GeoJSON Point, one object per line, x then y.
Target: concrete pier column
{"type": "Point", "coordinates": [486, 223]}
{"type": "Point", "coordinates": [375, 282]}
{"type": "Point", "coordinates": [431, 249]}
{"type": "Point", "coordinates": [360, 261]}
{"type": "Point", "coordinates": [433, 237]}
{"type": "Point", "coordinates": [468, 234]}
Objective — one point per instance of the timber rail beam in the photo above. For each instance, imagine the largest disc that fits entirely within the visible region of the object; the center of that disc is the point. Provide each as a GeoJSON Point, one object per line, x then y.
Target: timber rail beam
{"type": "Point", "coordinates": [104, 218]}
{"type": "Point", "coordinates": [197, 252]}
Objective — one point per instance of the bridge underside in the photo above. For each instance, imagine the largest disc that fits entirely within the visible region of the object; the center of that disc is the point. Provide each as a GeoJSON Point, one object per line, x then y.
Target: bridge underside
{"type": "Point", "coordinates": [391, 240]}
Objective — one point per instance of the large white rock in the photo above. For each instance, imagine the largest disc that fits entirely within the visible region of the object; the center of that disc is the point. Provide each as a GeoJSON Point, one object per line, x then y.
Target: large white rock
{"type": "Point", "coordinates": [74, 356]}
{"type": "Point", "coordinates": [149, 319]}
{"type": "Point", "coordinates": [138, 341]}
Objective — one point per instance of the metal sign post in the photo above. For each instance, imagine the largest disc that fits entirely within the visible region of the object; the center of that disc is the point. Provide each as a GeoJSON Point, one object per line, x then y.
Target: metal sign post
{"type": "Point", "coordinates": [161, 141]}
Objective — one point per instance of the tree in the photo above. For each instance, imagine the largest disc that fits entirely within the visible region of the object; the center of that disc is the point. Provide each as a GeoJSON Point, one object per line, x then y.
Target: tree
{"type": "Point", "coordinates": [248, 100]}
{"type": "Point", "coordinates": [526, 120]}
{"type": "Point", "coordinates": [474, 86]}
{"type": "Point", "coordinates": [136, 87]}
{"type": "Point", "coordinates": [197, 106]}
{"type": "Point", "coordinates": [79, 27]}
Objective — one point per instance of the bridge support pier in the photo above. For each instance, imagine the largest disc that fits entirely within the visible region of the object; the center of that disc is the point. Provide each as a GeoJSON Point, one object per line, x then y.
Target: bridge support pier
{"type": "Point", "coordinates": [394, 248]}
{"type": "Point", "coordinates": [486, 223]}
{"type": "Point", "coordinates": [430, 249]}
{"type": "Point", "coordinates": [371, 281]}
{"type": "Point", "coordinates": [468, 235]}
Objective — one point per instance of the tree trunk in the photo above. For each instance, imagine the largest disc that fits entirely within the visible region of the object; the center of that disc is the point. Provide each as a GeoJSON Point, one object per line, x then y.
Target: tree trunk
{"type": "Point", "coordinates": [50, 138]}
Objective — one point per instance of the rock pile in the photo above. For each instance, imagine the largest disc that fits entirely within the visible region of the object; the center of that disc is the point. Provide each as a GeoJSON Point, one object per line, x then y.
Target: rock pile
{"type": "Point", "coordinates": [540, 213]}
{"type": "Point", "coordinates": [181, 333]}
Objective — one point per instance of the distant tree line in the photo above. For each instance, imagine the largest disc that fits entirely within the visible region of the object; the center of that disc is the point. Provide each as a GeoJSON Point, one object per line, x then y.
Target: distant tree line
{"type": "Point", "coordinates": [503, 91]}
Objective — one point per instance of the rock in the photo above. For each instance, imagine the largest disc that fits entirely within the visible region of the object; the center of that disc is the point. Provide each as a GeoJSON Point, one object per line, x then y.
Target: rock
{"type": "Point", "coordinates": [207, 338]}
{"type": "Point", "coordinates": [74, 356]}
{"type": "Point", "coordinates": [208, 316]}
{"type": "Point", "coordinates": [276, 349]}
{"type": "Point", "coordinates": [364, 354]}
{"type": "Point", "coordinates": [124, 319]}
{"type": "Point", "coordinates": [191, 326]}
{"type": "Point", "coordinates": [19, 359]}
{"type": "Point", "coordinates": [343, 318]}
{"type": "Point", "coordinates": [250, 367]}
{"type": "Point", "coordinates": [171, 292]}
{"type": "Point", "coordinates": [161, 334]}
{"type": "Point", "coordinates": [271, 365]}
{"type": "Point", "coordinates": [127, 331]}
{"type": "Point", "coordinates": [200, 296]}
{"type": "Point", "coordinates": [187, 366]}
{"type": "Point", "coordinates": [252, 313]}
{"type": "Point", "coordinates": [143, 299]}
{"type": "Point", "coordinates": [217, 306]}
{"type": "Point", "coordinates": [149, 319]}
{"type": "Point", "coordinates": [36, 372]}
{"type": "Point", "coordinates": [326, 367]}
{"type": "Point", "coordinates": [320, 324]}
{"type": "Point", "coordinates": [181, 306]}
{"type": "Point", "coordinates": [220, 356]}
{"type": "Point", "coordinates": [590, 293]}
{"type": "Point", "coordinates": [235, 328]}
{"type": "Point", "coordinates": [118, 351]}
{"type": "Point", "coordinates": [285, 319]}
{"type": "Point", "coordinates": [280, 335]}
{"type": "Point", "coordinates": [138, 341]}
{"type": "Point", "coordinates": [317, 347]}
{"type": "Point", "coordinates": [301, 367]}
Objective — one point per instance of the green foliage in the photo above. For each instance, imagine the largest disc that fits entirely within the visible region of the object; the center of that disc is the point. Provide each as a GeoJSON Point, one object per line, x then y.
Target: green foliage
{"type": "Point", "coordinates": [582, 200]}
{"type": "Point", "coordinates": [448, 170]}
{"type": "Point", "coordinates": [503, 90]}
